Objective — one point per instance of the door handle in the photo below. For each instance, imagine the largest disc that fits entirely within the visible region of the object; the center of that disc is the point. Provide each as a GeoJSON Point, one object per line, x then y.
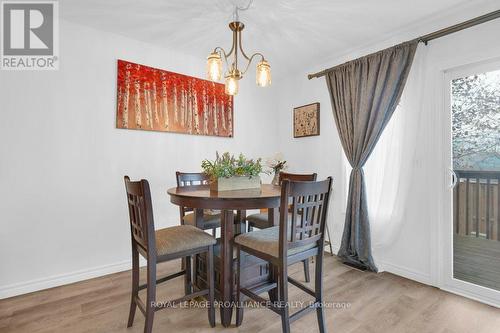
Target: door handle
{"type": "Point", "coordinates": [454, 178]}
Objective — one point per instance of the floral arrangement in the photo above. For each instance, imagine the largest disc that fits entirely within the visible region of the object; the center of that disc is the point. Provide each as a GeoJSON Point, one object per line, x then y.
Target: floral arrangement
{"type": "Point", "coordinates": [226, 166]}
{"type": "Point", "coordinates": [276, 163]}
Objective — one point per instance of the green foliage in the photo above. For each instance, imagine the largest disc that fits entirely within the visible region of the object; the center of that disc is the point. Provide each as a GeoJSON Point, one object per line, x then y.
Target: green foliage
{"type": "Point", "coordinates": [226, 165]}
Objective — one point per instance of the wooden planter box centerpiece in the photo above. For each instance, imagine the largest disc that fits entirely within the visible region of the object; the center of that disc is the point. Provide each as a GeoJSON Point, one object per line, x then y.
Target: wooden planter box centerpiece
{"type": "Point", "coordinates": [235, 183]}
{"type": "Point", "coordinates": [228, 173]}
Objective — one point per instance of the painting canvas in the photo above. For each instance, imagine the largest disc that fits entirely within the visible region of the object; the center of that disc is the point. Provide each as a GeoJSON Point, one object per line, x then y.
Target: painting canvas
{"type": "Point", "coordinates": [306, 120]}
{"type": "Point", "coordinates": [156, 100]}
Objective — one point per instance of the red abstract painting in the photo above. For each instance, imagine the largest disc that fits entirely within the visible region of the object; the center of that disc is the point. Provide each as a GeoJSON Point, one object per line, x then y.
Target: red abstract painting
{"type": "Point", "coordinates": [156, 100]}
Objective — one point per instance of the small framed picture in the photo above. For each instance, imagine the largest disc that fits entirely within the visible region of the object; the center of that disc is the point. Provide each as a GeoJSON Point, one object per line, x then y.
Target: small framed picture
{"type": "Point", "coordinates": [306, 120]}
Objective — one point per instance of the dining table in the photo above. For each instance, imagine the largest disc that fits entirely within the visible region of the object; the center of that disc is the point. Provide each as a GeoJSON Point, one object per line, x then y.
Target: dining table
{"type": "Point", "coordinates": [200, 198]}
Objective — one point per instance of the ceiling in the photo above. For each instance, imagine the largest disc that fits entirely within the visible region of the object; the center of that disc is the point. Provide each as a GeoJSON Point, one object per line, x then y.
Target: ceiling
{"type": "Point", "coordinates": [292, 34]}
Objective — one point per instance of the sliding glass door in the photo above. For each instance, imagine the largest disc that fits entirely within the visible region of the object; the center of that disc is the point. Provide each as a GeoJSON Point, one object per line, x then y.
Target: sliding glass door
{"type": "Point", "coordinates": [474, 233]}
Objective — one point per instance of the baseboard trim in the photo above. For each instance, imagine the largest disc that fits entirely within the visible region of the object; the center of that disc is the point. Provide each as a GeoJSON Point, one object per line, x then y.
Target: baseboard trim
{"type": "Point", "coordinates": [62, 279]}
{"type": "Point", "coordinates": [404, 272]}
{"type": "Point", "coordinates": [85, 274]}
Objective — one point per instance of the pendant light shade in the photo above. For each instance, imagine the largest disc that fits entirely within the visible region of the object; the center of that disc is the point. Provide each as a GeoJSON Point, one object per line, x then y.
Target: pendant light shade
{"type": "Point", "coordinates": [214, 66]}
{"type": "Point", "coordinates": [232, 85]}
{"type": "Point", "coordinates": [263, 74]}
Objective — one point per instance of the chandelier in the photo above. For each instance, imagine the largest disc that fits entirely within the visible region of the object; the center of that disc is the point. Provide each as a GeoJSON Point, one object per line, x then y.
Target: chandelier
{"type": "Point", "coordinates": [233, 73]}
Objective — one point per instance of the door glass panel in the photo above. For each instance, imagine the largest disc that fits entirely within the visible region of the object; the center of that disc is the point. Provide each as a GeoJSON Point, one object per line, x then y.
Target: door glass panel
{"type": "Point", "coordinates": [475, 104]}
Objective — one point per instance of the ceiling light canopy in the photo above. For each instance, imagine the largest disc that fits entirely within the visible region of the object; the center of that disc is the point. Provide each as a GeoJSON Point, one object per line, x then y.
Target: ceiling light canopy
{"type": "Point", "coordinates": [233, 73]}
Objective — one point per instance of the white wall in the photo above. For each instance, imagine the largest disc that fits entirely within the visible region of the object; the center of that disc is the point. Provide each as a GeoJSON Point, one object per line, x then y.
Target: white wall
{"type": "Point", "coordinates": [322, 154]}
{"type": "Point", "coordinates": [414, 253]}
{"type": "Point", "coordinates": [64, 214]}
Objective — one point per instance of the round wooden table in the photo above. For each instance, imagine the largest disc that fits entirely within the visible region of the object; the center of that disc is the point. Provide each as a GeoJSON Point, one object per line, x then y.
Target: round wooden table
{"type": "Point", "coordinates": [200, 197]}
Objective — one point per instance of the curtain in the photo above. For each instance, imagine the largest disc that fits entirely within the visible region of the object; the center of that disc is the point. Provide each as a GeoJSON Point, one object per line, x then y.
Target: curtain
{"type": "Point", "coordinates": [392, 170]}
{"type": "Point", "coordinates": [364, 94]}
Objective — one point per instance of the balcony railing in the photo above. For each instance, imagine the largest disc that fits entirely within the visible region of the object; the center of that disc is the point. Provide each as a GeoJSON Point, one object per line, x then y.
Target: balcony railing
{"type": "Point", "coordinates": [477, 204]}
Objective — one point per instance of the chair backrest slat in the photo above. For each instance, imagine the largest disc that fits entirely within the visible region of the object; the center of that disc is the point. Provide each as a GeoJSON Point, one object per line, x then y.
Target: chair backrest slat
{"type": "Point", "coordinates": [140, 213]}
{"type": "Point", "coordinates": [191, 178]}
{"type": "Point", "coordinates": [307, 202]}
{"type": "Point", "coordinates": [185, 179]}
{"type": "Point", "coordinates": [306, 177]}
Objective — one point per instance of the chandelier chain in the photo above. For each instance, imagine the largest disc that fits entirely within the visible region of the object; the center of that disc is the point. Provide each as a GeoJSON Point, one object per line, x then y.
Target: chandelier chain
{"type": "Point", "coordinates": [237, 9]}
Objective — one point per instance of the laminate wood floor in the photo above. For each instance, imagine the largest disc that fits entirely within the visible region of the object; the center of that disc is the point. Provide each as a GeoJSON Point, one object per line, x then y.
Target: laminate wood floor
{"type": "Point", "coordinates": [373, 303]}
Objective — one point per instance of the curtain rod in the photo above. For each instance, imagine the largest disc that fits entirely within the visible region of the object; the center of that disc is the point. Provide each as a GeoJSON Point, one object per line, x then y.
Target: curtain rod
{"type": "Point", "coordinates": [436, 34]}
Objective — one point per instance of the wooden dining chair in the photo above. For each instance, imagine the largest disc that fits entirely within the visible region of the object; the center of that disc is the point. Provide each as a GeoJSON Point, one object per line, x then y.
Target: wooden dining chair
{"type": "Point", "coordinates": [211, 219]}
{"type": "Point", "coordinates": [296, 238]}
{"type": "Point", "coordinates": [261, 220]}
{"type": "Point", "coordinates": [166, 244]}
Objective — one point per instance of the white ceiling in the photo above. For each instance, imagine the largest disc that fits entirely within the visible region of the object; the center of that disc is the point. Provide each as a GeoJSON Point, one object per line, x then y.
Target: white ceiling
{"type": "Point", "coordinates": [292, 34]}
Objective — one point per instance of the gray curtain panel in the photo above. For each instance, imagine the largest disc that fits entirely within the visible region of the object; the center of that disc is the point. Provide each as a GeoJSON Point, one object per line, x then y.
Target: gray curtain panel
{"type": "Point", "coordinates": [364, 94]}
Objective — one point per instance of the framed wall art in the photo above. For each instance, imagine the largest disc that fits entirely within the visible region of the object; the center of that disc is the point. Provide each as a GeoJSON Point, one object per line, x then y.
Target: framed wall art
{"type": "Point", "coordinates": [306, 120]}
{"type": "Point", "coordinates": [152, 99]}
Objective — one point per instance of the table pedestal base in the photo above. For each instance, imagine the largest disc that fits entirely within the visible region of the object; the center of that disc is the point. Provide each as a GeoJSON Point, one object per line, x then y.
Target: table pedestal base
{"type": "Point", "coordinates": [254, 272]}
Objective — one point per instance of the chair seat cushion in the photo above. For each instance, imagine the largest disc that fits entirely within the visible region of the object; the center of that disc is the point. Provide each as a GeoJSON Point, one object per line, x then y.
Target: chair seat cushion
{"type": "Point", "coordinates": [209, 217]}
{"type": "Point", "coordinates": [267, 241]}
{"type": "Point", "coordinates": [261, 220]}
{"type": "Point", "coordinates": [181, 238]}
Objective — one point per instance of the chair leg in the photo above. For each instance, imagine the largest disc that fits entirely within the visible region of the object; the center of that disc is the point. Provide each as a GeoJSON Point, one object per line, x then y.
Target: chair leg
{"type": "Point", "coordinates": [273, 293]}
{"type": "Point", "coordinates": [306, 270]}
{"type": "Point", "coordinates": [151, 296]}
{"type": "Point", "coordinates": [239, 304]}
{"type": "Point", "coordinates": [135, 285]}
{"type": "Point", "coordinates": [241, 220]}
{"type": "Point", "coordinates": [318, 284]}
{"type": "Point", "coordinates": [329, 242]}
{"type": "Point", "coordinates": [211, 286]}
{"type": "Point", "coordinates": [188, 276]}
{"type": "Point", "coordinates": [283, 298]}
